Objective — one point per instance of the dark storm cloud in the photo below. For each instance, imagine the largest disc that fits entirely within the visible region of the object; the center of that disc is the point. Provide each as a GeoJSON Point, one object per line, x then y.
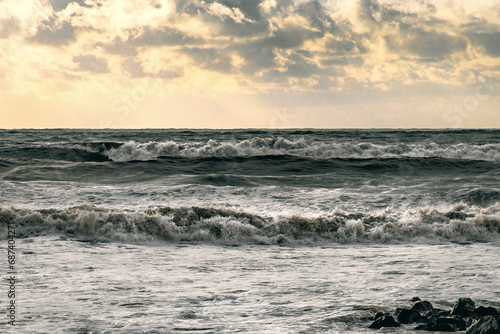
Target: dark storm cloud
{"type": "Point", "coordinates": [188, 7]}
{"type": "Point", "coordinates": [372, 11]}
{"type": "Point", "coordinates": [288, 38]}
{"type": "Point", "coordinates": [261, 53]}
{"type": "Point", "coordinates": [9, 27]}
{"type": "Point", "coordinates": [342, 60]}
{"type": "Point", "coordinates": [273, 44]}
{"type": "Point", "coordinates": [62, 4]}
{"type": "Point", "coordinates": [254, 24]}
{"type": "Point", "coordinates": [256, 58]}
{"type": "Point", "coordinates": [489, 41]}
{"type": "Point", "coordinates": [426, 44]}
{"type": "Point", "coordinates": [346, 47]}
{"type": "Point", "coordinates": [300, 67]}
{"type": "Point", "coordinates": [52, 33]}
{"type": "Point", "coordinates": [317, 16]}
{"type": "Point", "coordinates": [297, 67]}
{"type": "Point", "coordinates": [91, 63]}
{"type": "Point", "coordinates": [413, 35]}
{"type": "Point", "coordinates": [163, 36]}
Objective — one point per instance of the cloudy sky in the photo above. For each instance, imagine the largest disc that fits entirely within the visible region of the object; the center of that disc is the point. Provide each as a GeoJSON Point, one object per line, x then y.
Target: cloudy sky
{"type": "Point", "coordinates": [249, 63]}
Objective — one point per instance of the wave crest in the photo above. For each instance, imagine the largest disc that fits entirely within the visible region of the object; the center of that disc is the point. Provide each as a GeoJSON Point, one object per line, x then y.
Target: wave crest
{"type": "Point", "coordinates": [227, 226]}
{"type": "Point", "coordinates": [259, 146]}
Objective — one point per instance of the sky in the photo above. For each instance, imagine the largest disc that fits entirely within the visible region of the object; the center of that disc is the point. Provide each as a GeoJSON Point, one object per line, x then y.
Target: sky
{"type": "Point", "coordinates": [249, 64]}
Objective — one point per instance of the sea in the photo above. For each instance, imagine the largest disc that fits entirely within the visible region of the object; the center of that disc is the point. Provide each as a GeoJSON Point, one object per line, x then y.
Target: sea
{"type": "Point", "coordinates": [243, 231]}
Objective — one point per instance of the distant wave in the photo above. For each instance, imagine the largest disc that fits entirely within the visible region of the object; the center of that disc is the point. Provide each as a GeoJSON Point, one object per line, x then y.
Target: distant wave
{"type": "Point", "coordinates": [74, 154]}
{"type": "Point", "coordinates": [259, 146]}
{"type": "Point", "coordinates": [254, 147]}
{"type": "Point", "coordinates": [460, 223]}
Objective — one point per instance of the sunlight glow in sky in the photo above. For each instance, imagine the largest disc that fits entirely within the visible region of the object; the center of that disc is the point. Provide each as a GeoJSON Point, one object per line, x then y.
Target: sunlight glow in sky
{"type": "Point", "coordinates": [249, 63]}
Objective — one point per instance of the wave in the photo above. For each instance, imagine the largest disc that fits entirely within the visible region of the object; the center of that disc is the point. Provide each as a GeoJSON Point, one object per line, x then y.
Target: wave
{"type": "Point", "coordinates": [254, 147]}
{"type": "Point", "coordinates": [73, 154]}
{"type": "Point", "coordinates": [259, 146]}
{"type": "Point", "coordinates": [461, 223]}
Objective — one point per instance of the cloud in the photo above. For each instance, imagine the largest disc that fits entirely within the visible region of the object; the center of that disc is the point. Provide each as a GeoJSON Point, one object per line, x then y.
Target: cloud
{"type": "Point", "coordinates": [224, 12]}
{"type": "Point", "coordinates": [490, 42]}
{"type": "Point", "coordinates": [270, 44]}
{"type": "Point", "coordinates": [299, 67]}
{"type": "Point", "coordinates": [135, 69]}
{"type": "Point", "coordinates": [268, 5]}
{"type": "Point", "coordinates": [210, 58]}
{"type": "Point", "coordinates": [59, 5]}
{"type": "Point", "coordinates": [426, 44]}
{"type": "Point", "coordinates": [318, 16]}
{"type": "Point", "coordinates": [161, 36]}
{"type": "Point", "coordinates": [91, 63]}
{"type": "Point", "coordinates": [240, 18]}
{"type": "Point", "coordinates": [9, 26]}
{"type": "Point", "coordinates": [371, 11]}
{"type": "Point", "coordinates": [55, 33]}
{"type": "Point", "coordinates": [148, 37]}
{"type": "Point", "coordinates": [119, 47]}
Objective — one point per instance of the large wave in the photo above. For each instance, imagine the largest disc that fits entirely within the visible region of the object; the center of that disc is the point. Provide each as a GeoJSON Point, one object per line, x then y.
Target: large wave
{"type": "Point", "coordinates": [300, 147]}
{"type": "Point", "coordinates": [460, 223]}
{"type": "Point", "coordinates": [254, 147]}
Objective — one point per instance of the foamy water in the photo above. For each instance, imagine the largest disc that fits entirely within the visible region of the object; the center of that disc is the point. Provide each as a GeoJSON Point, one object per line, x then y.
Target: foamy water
{"type": "Point", "coordinates": [70, 286]}
{"type": "Point", "coordinates": [254, 231]}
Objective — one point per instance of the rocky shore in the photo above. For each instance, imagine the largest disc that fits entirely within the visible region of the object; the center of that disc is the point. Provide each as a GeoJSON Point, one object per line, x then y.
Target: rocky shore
{"type": "Point", "coordinates": [464, 316]}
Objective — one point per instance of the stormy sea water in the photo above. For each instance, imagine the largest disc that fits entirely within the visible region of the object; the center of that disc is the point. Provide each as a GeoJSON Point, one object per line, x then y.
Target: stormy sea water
{"type": "Point", "coordinates": [251, 231]}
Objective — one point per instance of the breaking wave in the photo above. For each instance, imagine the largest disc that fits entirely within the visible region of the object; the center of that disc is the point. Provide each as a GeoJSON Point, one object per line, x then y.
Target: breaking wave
{"type": "Point", "coordinates": [280, 146]}
{"type": "Point", "coordinates": [254, 147]}
{"type": "Point", "coordinates": [460, 223]}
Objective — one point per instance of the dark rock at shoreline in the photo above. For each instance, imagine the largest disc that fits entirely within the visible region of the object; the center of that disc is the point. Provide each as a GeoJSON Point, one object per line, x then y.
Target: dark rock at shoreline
{"type": "Point", "coordinates": [421, 327]}
{"type": "Point", "coordinates": [485, 325]}
{"type": "Point", "coordinates": [463, 316]}
{"type": "Point", "coordinates": [455, 320]}
{"type": "Point", "coordinates": [409, 316]}
{"type": "Point", "coordinates": [464, 307]}
{"type": "Point", "coordinates": [430, 317]}
{"type": "Point", "coordinates": [443, 327]}
{"type": "Point", "coordinates": [378, 315]}
{"type": "Point", "coordinates": [446, 324]}
{"type": "Point", "coordinates": [423, 307]}
{"type": "Point", "coordinates": [482, 311]}
{"type": "Point", "coordinates": [442, 313]}
{"type": "Point", "coordinates": [387, 320]}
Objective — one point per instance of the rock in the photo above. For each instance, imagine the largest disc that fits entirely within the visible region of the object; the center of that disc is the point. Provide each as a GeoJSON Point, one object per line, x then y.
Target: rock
{"type": "Point", "coordinates": [485, 325]}
{"type": "Point", "coordinates": [378, 315]}
{"type": "Point", "coordinates": [430, 317]}
{"type": "Point", "coordinates": [464, 307]}
{"type": "Point", "coordinates": [423, 307]}
{"type": "Point", "coordinates": [482, 311]}
{"type": "Point", "coordinates": [442, 313]}
{"type": "Point", "coordinates": [455, 320]}
{"type": "Point", "coordinates": [421, 327]}
{"type": "Point", "coordinates": [387, 320]}
{"type": "Point", "coordinates": [442, 327]}
{"type": "Point", "coordinates": [408, 316]}
{"type": "Point", "coordinates": [416, 299]}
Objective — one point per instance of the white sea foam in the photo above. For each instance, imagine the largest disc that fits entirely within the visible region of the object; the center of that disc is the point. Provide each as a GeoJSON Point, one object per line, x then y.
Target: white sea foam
{"type": "Point", "coordinates": [225, 226]}
{"type": "Point", "coordinates": [260, 146]}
